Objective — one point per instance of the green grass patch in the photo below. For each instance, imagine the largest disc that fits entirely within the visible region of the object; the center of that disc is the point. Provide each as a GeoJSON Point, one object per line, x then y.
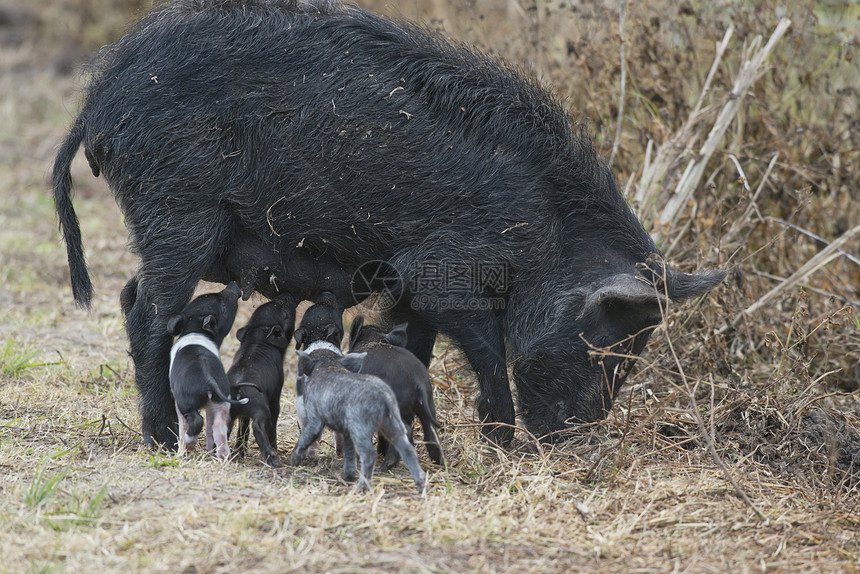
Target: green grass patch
{"type": "Point", "coordinates": [45, 485]}
{"type": "Point", "coordinates": [16, 358]}
{"type": "Point", "coordinates": [62, 510]}
{"type": "Point", "coordinates": [77, 509]}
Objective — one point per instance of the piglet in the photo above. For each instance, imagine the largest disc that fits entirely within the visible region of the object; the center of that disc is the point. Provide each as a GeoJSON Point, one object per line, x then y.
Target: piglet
{"type": "Point", "coordinates": [330, 393]}
{"type": "Point", "coordinates": [322, 321]}
{"type": "Point", "coordinates": [257, 375]}
{"type": "Point", "coordinates": [197, 377]}
{"type": "Point", "coordinates": [388, 359]}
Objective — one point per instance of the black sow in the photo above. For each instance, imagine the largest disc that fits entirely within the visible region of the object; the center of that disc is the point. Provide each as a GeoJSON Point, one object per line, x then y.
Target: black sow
{"type": "Point", "coordinates": [287, 145]}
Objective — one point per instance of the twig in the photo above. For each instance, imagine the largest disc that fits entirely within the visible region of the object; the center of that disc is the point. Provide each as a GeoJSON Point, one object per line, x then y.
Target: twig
{"type": "Point", "coordinates": [743, 176]}
{"type": "Point", "coordinates": [712, 449]}
{"type": "Point", "coordinates": [708, 440]}
{"type": "Point", "coordinates": [750, 72]}
{"type": "Point", "coordinates": [653, 175]}
{"type": "Point", "coordinates": [810, 288]}
{"type": "Point", "coordinates": [752, 205]}
{"type": "Point", "coordinates": [824, 257]}
{"type": "Point", "coordinates": [818, 238]}
{"type": "Point", "coordinates": [721, 48]}
{"type": "Point", "coordinates": [623, 84]}
{"type": "Point", "coordinates": [647, 167]}
{"type": "Point", "coordinates": [126, 426]}
{"type": "Point", "coordinates": [691, 394]}
{"type": "Point", "coordinates": [270, 219]}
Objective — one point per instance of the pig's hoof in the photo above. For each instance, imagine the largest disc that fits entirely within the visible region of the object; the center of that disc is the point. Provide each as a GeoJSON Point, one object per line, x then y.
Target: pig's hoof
{"type": "Point", "coordinates": [167, 446]}
{"type": "Point", "coordinates": [498, 434]}
{"type": "Point", "coordinates": [350, 476]}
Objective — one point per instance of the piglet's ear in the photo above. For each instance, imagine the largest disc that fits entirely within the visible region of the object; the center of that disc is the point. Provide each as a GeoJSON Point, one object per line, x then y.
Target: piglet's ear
{"type": "Point", "coordinates": [240, 334]}
{"type": "Point", "coordinates": [353, 361]}
{"type": "Point", "coordinates": [334, 335]}
{"type": "Point", "coordinates": [355, 330]}
{"type": "Point", "coordinates": [299, 336]}
{"type": "Point", "coordinates": [210, 325]}
{"type": "Point", "coordinates": [397, 337]}
{"type": "Point", "coordinates": [626, 292]}
{"type": "Point", "coordinates": [276, 336]}
{"type": "Point", "coordinates": [305, 364]}
{"type": "Point", "coordinates": [174, 324]}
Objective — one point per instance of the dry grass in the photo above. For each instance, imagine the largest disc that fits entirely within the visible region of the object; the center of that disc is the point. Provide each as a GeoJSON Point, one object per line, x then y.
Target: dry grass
{"type": "Point", "coordinates": [775, 391]}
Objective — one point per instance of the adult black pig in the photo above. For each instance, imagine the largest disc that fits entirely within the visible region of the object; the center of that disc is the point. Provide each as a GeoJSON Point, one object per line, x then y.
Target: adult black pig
{"type": "Point", "coordinates": [276, 135]}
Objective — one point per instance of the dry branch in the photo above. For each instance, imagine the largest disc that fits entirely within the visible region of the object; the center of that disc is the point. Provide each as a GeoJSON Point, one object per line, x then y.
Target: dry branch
{"type": "Point", "coordinates": [708, 437]}
{"type": "Point", "coordinates": [751, 71]}
{"type": "Point", "coordinates": [623, 85]}
{"type": "Point", "coordinates": [740, 221]}
{"type": "Point", "coordinates": [667, 155]}
{"type": "Point", "coordinates": [654, 175]}
{"type": "Point", "coordinates": [826, 255]}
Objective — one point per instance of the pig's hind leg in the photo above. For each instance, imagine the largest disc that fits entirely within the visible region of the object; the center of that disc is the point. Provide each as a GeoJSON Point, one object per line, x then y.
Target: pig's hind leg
{"type": "Point", "coordinates": [217, 423]}
{"type": "Point", "coordinates": [210, 419]}
{"type": "Point", "coordinates": [311, 432]}
{"type": "Point", "coordinates": [184, 443]}
{"type": "Point", "coordinates": [243, 433]}
{"type": "Point", "coordinates": [262, 426]}
{"type": "Point", "coordinates": [363, 445]}
{"type": "Point", "coordinates": [431, 438]}
{"type": "Point", "coordinates": [348, 450]}
{"type": "Point", "coordinates": [396, 434]}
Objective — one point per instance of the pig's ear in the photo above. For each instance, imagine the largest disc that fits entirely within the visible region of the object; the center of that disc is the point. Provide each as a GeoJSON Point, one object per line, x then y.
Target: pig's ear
{"type": "Point", "coordinates": [624, 292]}
{"type": "Point", "coordinates": [355, 330]}
{"type": "Point", "coordinates": [334, 335]}
{"type": "Point", "coordinates": [397, 336]}
{"type": "Point", "coordinates": [240, 334]}
{"type": "Point", "coordinates": [353, 361]}
{"type": "Point", "coordinates": [210, 325]}
{"type": "Point", "coordinates": [299, 336]}
{"type": "Point", "coordinates": [276, 336]}
{"type": "Point", "coordinates": [684, 285]}
{"type": "Point", "coordinates": [305, 364]}
{"type": "Point", "coordinates": [174, 324]}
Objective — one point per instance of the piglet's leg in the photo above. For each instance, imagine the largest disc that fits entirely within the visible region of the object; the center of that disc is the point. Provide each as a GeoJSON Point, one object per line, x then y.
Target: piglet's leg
{"type": "Point", "coordinates": [311, 432]}
{"type": "Point", "coordinates": [218, 425]}
{"type": "Point", "coordinates": [210, 419]}
{"type": "Point", "coordinates": [243, 432]}
{"type": "Point", "coordinates": [367, 457]}
{"type": "Point", "coordinates": [338, 443]}
{"type": "Point", "coordinates": [261, 425]}
{"type": "Point", "coordinates": [395, 430]}
{"type": "Point", "coordinates": [183, 432]}
{"type": "Point", "coordinates": [407, 452]}
{"type": "Point", "coordinates": [348, 456]}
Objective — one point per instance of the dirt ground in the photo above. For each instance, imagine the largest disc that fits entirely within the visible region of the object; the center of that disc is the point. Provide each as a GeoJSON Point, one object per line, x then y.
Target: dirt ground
{"type": "Point", "coordinates": [734, 446]}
